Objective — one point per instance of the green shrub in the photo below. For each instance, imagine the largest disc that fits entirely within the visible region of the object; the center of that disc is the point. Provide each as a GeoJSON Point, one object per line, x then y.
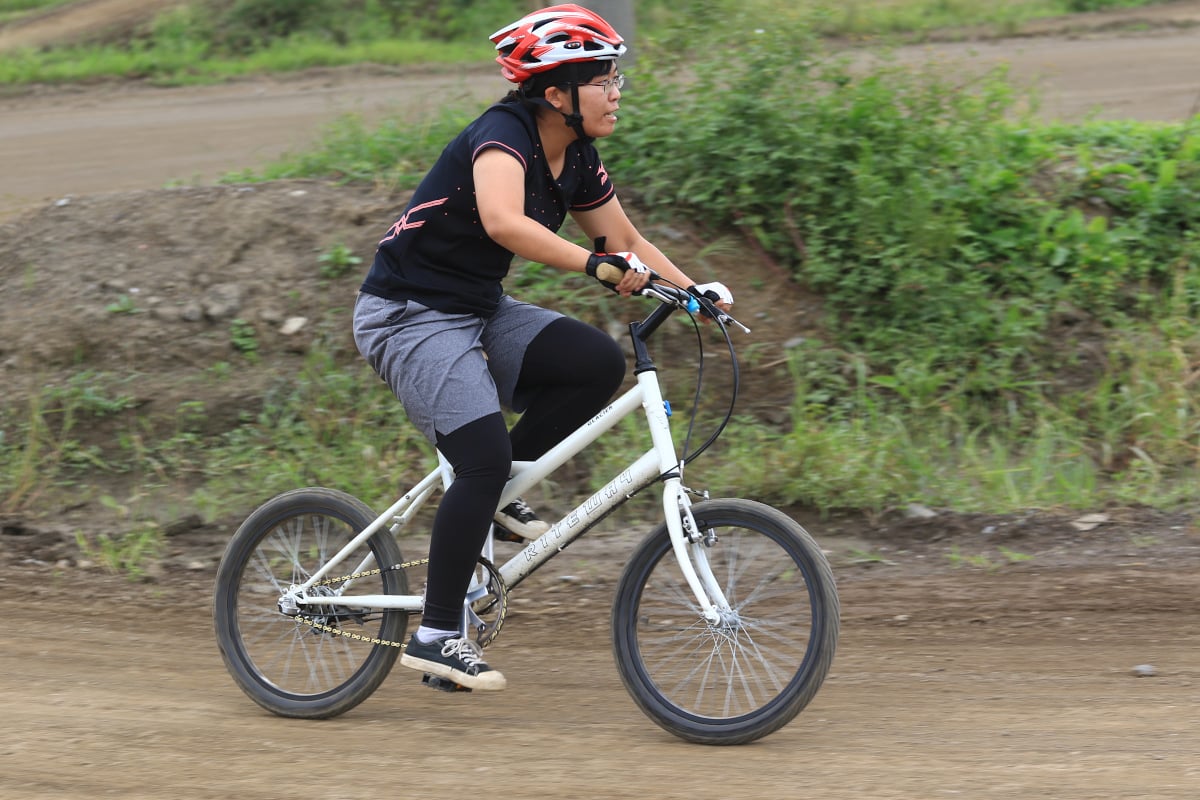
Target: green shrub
{"type": "Point", "coordinates": [929, 213]}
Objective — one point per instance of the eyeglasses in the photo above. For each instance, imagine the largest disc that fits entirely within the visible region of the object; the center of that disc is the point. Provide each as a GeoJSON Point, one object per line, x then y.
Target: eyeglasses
{"type": "Point", "coordinates": [616, 81]}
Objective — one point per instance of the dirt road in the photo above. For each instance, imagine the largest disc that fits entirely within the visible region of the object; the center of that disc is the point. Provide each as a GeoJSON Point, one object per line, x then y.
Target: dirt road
{"type": "Point", "coordinates": [83, 141]}
{"type": "Point", "coordinates": [1016, 684]}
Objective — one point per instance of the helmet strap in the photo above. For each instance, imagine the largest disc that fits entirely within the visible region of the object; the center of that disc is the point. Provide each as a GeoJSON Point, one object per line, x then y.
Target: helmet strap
{"type": "Point", "coordinates": [574, 120]}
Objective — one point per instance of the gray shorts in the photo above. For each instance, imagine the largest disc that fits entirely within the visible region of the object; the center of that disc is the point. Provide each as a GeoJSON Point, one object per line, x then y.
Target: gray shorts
{"type": "Point", "coordinates": [448, 369]}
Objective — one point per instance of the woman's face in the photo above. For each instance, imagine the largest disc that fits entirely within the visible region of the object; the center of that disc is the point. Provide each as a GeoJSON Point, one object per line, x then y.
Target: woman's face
{"type": "Point", "coordinates": [599, 100]}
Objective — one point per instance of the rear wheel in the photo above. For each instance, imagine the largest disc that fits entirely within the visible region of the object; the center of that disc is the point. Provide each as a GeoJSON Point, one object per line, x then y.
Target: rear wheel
{"type": "Point", "coordinates": [753, 671]}
{"type": "Point", "coordinates": [328, 659]}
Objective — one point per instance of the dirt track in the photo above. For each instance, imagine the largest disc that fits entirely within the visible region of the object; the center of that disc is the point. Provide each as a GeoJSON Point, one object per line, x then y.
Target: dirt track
{"type": "Point", "coordinates": [963, 684]}
{"type": "Point", "coordinates": [82, 141]}
{"type": "Point", "coordinates": [998, 680]}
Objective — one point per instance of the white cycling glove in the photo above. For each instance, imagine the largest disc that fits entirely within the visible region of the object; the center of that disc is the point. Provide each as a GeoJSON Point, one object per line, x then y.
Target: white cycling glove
{"type": "Point", "coordinates": [716, 292]}
{"type": "Point", "coordinates": [634, 263]}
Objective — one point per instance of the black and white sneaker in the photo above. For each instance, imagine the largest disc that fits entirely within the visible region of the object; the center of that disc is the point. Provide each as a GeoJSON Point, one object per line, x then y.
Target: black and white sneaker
{"type": "Point", "coordinates": [518, 519]}
{"type": "Point", "coordinates": [454, 658]}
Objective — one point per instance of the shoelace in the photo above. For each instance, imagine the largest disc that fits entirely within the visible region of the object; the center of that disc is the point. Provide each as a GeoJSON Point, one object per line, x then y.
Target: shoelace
{"type": "Point", "coordinates": [467, 652]}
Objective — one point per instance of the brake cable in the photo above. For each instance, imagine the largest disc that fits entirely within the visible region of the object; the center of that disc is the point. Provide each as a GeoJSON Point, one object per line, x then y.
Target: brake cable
{"type": "Point", "coordinates": [733, 394]}
{"type": "Point", "coordinates": [735, 371]}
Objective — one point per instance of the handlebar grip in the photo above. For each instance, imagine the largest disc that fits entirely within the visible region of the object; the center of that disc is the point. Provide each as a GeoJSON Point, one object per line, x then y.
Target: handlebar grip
{"type": "Point", "coordinates": [609, 273]}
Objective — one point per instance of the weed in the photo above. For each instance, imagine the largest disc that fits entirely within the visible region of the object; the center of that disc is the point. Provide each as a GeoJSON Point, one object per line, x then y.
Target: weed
{"type": "Point", "coordinates": [128, 553]}
{"type": "Point", "coordinates": [1014, 557]}
{"type": "Point", "coordinates": [978, 561]}
{"type": "Point", "coordinates": [89, 393]}
{"type": "Point", "coordinates": [123, 305]}
{"type": "Point", "coordinates": [38, 449]}
{"type": "Point", "coordinates": [220, 371]}
{"type": "Point", "coordinates": [858, 556]}
{"type": "Point", "coordinates": [337, 261]}
{"type": "Point", "coordinates": [244, 338]}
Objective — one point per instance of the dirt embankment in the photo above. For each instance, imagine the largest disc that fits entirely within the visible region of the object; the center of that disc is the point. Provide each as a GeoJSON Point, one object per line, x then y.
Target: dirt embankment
{"type": "Point", "coordinates": [80, 21]}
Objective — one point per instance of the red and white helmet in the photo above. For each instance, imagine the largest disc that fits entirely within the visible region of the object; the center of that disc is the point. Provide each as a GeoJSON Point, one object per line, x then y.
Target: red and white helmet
{"type": "Point", "coordinates": [556, 35]}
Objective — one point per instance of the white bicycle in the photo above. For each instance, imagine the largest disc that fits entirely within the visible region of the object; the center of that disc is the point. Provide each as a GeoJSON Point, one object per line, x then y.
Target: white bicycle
{"type": "Point", "coordinates": [724, 623]}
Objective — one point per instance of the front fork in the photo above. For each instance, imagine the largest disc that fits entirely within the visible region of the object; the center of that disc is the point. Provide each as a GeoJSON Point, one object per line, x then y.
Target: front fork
{"type": "Point", "coordinates": [690, 545]}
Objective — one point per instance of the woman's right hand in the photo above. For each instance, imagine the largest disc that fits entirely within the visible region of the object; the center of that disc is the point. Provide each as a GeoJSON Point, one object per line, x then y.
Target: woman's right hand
{"type": "Point", "coordinates": [624, 273]}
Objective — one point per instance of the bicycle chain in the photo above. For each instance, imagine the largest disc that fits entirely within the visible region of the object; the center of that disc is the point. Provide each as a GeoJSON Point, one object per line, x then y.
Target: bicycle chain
{"type": "Point", "coordinates": [358, 637]}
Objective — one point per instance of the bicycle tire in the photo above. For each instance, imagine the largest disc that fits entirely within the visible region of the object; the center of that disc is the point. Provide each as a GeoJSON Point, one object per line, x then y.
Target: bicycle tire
{"type": "Point", "coordinates": [283, 663]}
{"type": "Point", "coordinates": [747, 676]}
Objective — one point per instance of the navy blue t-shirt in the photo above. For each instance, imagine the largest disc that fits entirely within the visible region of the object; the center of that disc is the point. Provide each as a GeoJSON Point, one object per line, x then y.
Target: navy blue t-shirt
{"type": "Point", "coordinates": [438, 252]}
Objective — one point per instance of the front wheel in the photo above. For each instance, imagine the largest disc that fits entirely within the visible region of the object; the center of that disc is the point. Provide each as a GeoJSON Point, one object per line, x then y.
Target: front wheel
{"type": "Point", "coordinates": [324, 660]}
{"type": "Point", "coordinates": [750, 673]}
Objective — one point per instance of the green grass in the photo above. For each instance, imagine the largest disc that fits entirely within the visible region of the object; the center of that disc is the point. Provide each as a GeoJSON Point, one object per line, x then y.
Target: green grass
{"type": "Point", "coordinates": [394, 153]}
{"type": "Point", "coordinates": [44, 444]}
{"type": "Point", "coordinates": [916, 18]}
{"type": "Point", "coordinates": [189, 62]}
{"type": "Point", "coordinates": [130, 552]}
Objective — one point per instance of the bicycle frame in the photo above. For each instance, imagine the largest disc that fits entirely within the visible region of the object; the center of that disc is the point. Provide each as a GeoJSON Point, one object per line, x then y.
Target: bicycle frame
{"type": "Point", "coordinates": [659, 462]}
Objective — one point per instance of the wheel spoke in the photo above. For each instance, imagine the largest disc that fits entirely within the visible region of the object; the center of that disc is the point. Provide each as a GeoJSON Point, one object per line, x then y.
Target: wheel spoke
{"type": "Point", "coordinates": [306, 665]}
{"type": "Point", "coordinates": [752, 670]}
{"type": "Point", "coordinates": [297, 657]}
{"type": "Point", "coordinates": [743, 664]}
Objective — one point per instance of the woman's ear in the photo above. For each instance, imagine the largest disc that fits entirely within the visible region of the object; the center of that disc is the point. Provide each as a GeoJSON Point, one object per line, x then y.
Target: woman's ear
{"type": "Point", "coordinates": [556, 97]}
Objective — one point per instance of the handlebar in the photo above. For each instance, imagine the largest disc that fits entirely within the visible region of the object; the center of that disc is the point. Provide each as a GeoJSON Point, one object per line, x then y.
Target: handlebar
{"type": "Point", "coordinates": [671, 295]}
{"type": "Point", "coordinates": [672, 298]}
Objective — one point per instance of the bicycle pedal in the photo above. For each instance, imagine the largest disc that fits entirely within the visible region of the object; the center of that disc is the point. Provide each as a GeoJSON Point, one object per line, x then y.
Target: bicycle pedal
{"type": "Point", "coordinates": [502, 535]}
{"type": "Point", "coordinates": [442, 684]}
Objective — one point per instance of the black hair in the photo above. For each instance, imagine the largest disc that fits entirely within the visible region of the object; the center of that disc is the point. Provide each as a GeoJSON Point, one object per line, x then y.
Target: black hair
{"type": "Point", "coordinates": [533, 92]}
{"type": "Point", "coordinates": [562, 77]}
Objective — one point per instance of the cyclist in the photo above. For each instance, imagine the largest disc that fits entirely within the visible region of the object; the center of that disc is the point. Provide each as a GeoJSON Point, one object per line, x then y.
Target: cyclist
{"type": "Point", "coordinates": [433, 320]}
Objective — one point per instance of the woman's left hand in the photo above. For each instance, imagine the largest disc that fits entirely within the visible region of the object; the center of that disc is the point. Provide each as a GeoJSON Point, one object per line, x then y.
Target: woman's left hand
{"type": "Point", "coordinates": [635, 278]}
{"type": "Point", "coordinates": [717, 292]}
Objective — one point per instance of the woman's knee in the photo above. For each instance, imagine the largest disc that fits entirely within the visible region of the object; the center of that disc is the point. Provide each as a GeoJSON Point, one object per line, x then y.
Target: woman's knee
{"type": "Point", "coordinates": [610, 361]}
{"type": "Point", "coordinates": [571, 351]}
{"type": "Point", "coordinates": [479, 449]}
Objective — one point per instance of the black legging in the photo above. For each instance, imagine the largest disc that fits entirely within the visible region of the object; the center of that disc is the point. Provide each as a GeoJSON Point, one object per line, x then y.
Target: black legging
{"type": "Point", "coordinates": [570, 370]}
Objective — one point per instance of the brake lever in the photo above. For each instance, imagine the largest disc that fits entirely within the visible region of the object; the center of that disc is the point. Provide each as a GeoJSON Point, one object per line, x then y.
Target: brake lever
{"type": "Point", "coordinates": [689, 302]}
{"type": "Point", "coordinates": [713, 311]}
{"type": "Point", "coordinates": [725, 318]}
